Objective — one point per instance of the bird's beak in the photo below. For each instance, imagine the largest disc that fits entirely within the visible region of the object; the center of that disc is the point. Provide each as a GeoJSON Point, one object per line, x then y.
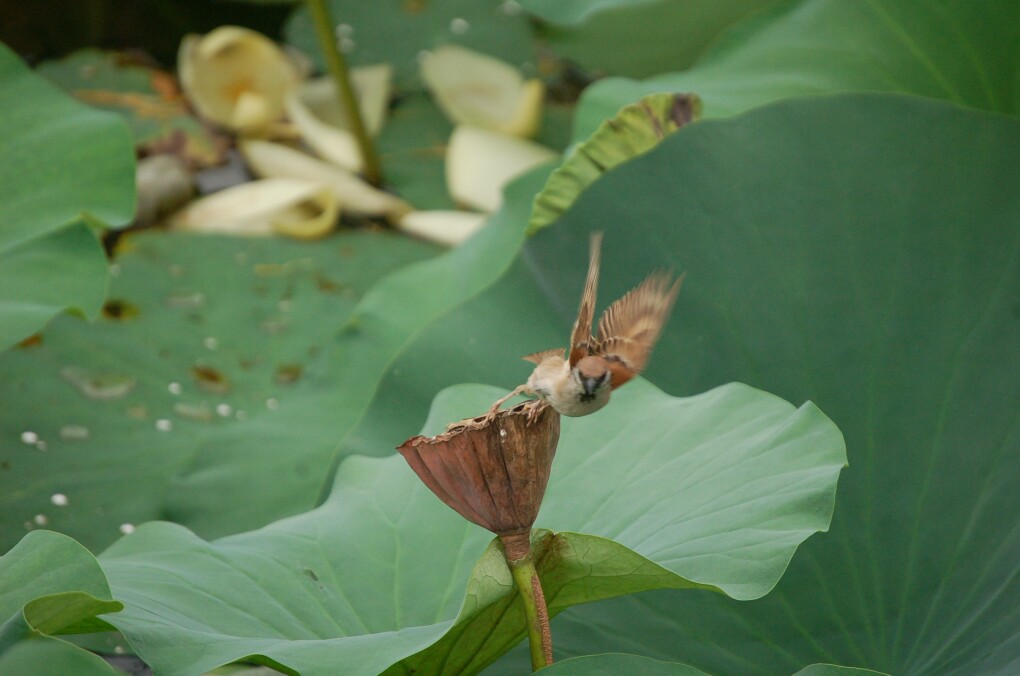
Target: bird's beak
{"type": "Point", "coordinates": [589, 385]}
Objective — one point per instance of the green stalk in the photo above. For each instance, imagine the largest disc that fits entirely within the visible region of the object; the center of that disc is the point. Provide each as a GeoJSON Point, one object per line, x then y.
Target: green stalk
{"type": "Point", "coordinates": [338, 69]}
{"type": "Point", "coordinates": [517, 548]}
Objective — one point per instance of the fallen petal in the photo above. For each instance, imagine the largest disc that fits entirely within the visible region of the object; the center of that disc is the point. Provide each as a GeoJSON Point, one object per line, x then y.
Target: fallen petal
{"type": "Point", "coordinates": [448, 228]}
{"type": "Point", "coordinates": [480, 163]}
{"type": "Point", "coordinates": [275, 160]}
{"type": "Point", "coordinates": [303, 209]}
{"type": "Point", "coordinates": [236, 77]}
{"type": "Point", "coordinates": [476, 89]}
{"type": "Point", "coordinates": [331, 143]}
{"type": "Point", "coordinates": [373, 87]}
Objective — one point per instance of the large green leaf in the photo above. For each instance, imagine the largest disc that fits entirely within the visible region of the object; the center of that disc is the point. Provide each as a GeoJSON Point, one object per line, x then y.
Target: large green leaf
{"type": "Point", "coordinates": [397, 32]}
{"type": "Point", "coordinates": [957, 50]}
{"type": "Point", "coordinates": [634, 130]}
{"type": "Point", "coordinates": [64, 164]}
{"type": "Point", "coordinates": [647, 36]}
{"type": "Point", "coordinates": [714, 491]}
{"type": "Point", "coordinates": [47, 656]}
{"type": "Point", "coordinates": [860, 251]}
{"type": "Point", "coordinates": [50, 584]}
{"type": "Point", "coordinates": [612, 664]}
{"type": "Point", "coordinates": [210, 379]}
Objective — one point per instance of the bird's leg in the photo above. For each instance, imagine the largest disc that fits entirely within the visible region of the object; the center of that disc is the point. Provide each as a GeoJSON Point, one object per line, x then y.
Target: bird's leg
{"type": "Point", "coordinates": [494, 409]}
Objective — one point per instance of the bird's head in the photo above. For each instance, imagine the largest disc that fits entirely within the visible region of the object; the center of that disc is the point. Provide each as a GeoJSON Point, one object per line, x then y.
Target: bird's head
{"type": "Point", "coordinates": [592, 374]}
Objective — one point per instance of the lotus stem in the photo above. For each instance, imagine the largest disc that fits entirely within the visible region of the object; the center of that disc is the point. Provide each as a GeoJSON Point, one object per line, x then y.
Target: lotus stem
{"type": "Point", "coordinates": [517, 548]}
{"type": "Point", "coordinates": [337, 65]}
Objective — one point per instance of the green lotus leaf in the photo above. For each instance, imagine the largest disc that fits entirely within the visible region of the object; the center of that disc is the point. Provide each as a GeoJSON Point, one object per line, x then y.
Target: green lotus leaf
{"type": "Point", "coordinates": [50, 584]}
{"type": "Point", "coordinates": [714, 492]}
{"type": "Point", "coordinates": [65, 165]}
{"type": "Point", "coordinates": [946, 49]}
{"type": "Point", "coordinates": [634, 130]}
{"type": "Point", "coordinates": [47, 656]}
{"type": "Point", "coordinates": [611, 664]}
{"type": "Point", "coordinates": [646, 36]}
{"type": "Point", "coordinates": [834, 670]}
{"type": "Point", "coordinates": [836, 252]}
{"type": "Point", "coordinates": [208, 380]}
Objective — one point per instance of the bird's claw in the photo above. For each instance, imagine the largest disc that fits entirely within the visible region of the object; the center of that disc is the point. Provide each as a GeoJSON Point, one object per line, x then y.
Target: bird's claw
{"type": "Point", "coordinates": [534, 410]}
{"type": "Point", "coordinates": [487, 417]}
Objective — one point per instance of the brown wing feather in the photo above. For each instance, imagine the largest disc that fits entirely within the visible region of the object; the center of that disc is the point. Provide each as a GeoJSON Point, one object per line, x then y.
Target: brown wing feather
{"type": "Point", "coordinates": [630, 327]}
{"type": "Point", "coordinates": [539, 357]}
{"type": "Point", "coordinates": [581, 343]}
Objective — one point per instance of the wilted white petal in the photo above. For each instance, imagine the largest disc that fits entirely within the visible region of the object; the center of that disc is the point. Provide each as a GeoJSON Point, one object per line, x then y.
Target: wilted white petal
{"type": "Point", "coordinates": [372, 86]}
{"type": "Point", "coordinates": [303, 209]}
{"type": "Point", "coordinates": [448, 228]}
{"type": "Point", "coordinates": [476, 89]}
{"type": "Point", "coordinates": [480, 163]}
{"type": "Point", "coordinates": [331, 143]}
{"type": "Point", "coordinates": [275, 160]}
{"type": "Point", "coordinates": [236, 77]}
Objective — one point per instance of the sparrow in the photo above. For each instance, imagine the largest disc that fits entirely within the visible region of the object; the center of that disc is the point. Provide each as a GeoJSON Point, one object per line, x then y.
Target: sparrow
{"type": "Point", "coordinates": [581, 382]}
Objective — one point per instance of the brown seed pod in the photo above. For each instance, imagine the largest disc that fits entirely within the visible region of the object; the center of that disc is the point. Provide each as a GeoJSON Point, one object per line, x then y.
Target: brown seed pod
{"type": "Point", "coordinates": [494, 471]}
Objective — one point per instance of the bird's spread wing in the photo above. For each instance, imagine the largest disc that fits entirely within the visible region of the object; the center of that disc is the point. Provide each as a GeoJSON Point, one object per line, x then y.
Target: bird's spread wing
{"type": "Point", "coordinates": [630, 327]}
{"type": "Point", "coordinates": [581, 343]}
{"type": "Point", "coordinates": [539, 357]}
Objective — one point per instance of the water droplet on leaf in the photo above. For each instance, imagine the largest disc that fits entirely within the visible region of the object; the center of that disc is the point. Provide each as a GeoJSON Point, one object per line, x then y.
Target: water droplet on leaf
{"type": "Point", "coordinates": [275, 325]}
{"type": "Point", "coordinates": [74, 432]}
{"type": "Point", "coordinates": [187, 301]}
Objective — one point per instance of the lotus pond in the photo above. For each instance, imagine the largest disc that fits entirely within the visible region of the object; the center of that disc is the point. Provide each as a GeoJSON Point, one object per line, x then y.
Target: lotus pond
{"type": "Point", "coordinates": [248, 248]}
